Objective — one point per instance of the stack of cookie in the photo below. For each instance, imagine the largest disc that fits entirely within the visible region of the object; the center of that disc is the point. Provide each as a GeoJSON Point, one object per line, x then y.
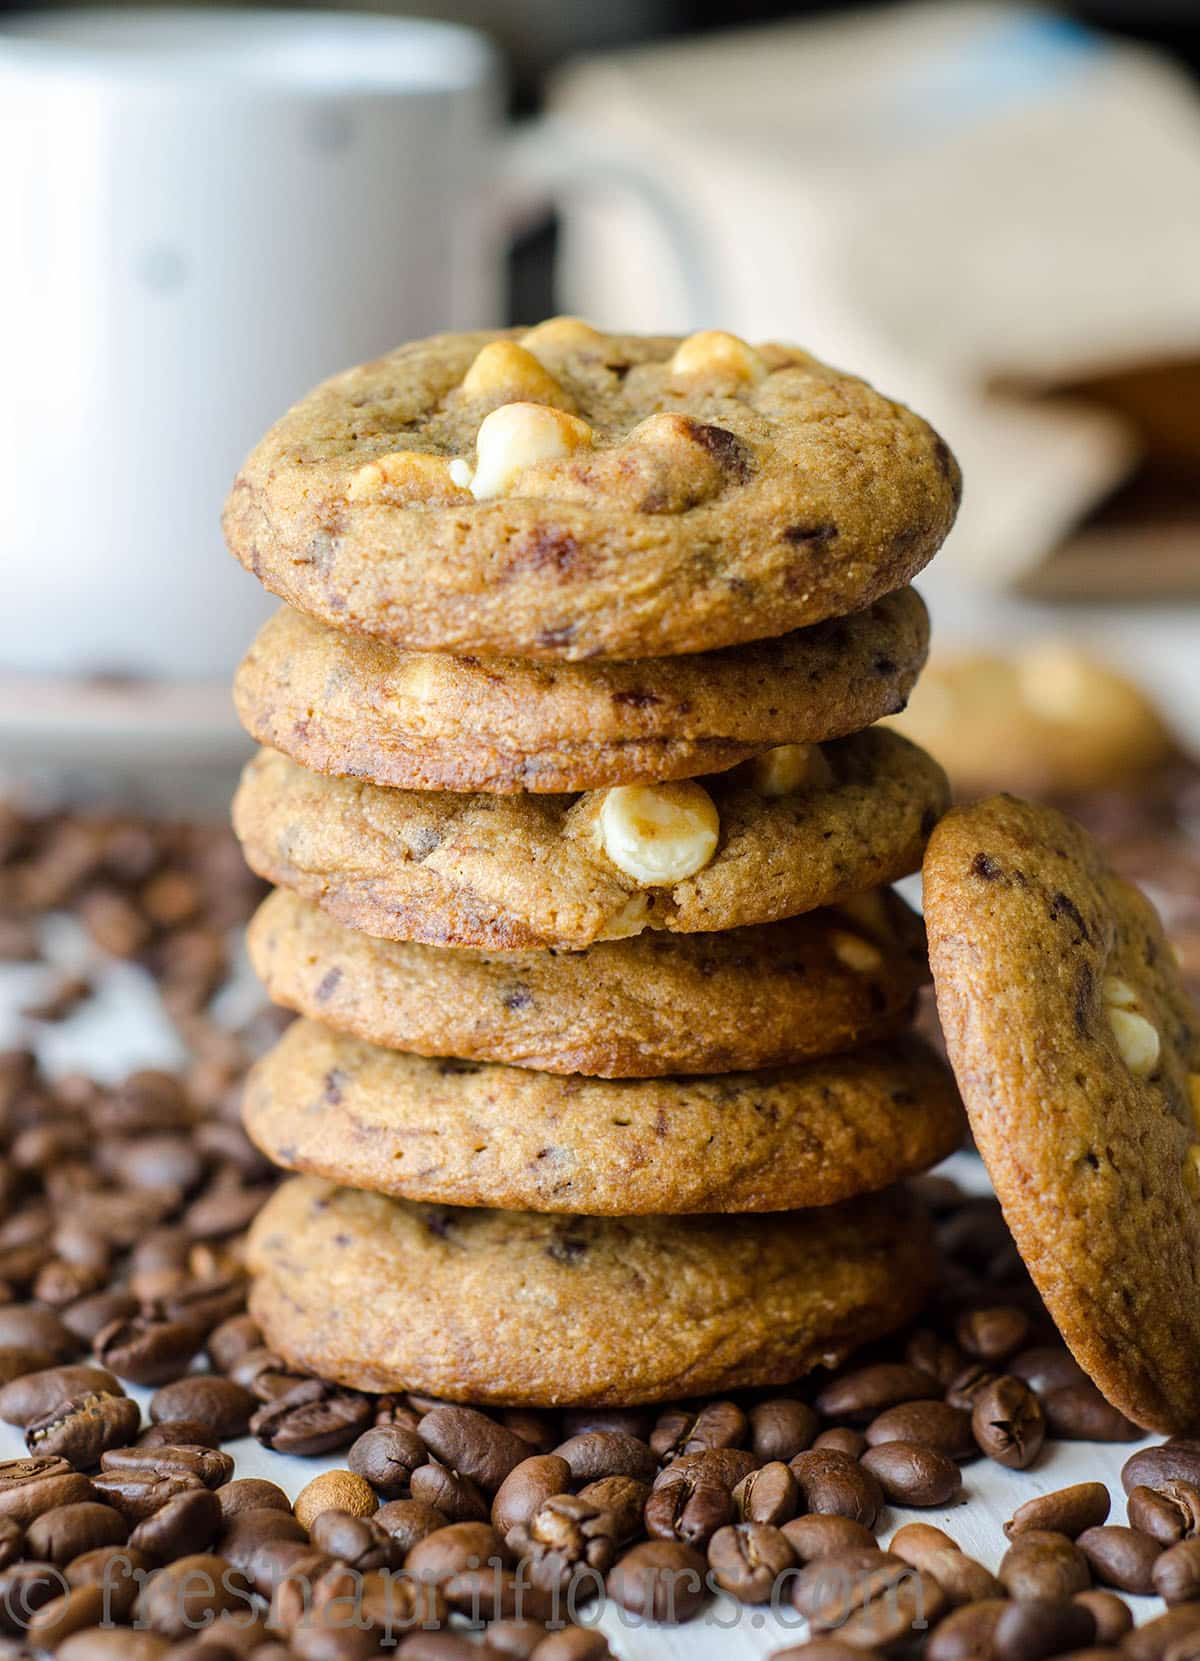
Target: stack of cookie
{"type": "Point", "coordinates": [583, 833]}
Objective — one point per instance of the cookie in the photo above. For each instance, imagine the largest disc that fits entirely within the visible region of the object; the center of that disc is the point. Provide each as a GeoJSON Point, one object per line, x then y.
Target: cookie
{"type": "Point", "coordinates": [514, 872]}
{"type": "Point", "coordinates": [339, 703]}
{"type": "Point", "coordinates": [562, 493]}
{"type": "Point", "coordinates": [1047, 722]}
{"type": "Point", "coordinates": [519, 1309]}
{"type": "Point", "coordinates": [654, 1004]}
{"type": "Point", "coordinates": [470, 1133]}
{"type": "Point", "coordinates": [1078, 1054]}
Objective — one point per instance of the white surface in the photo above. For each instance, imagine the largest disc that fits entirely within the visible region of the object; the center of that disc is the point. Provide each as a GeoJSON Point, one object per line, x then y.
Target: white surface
{"type": "Point", "coordinates": [123, 1028]}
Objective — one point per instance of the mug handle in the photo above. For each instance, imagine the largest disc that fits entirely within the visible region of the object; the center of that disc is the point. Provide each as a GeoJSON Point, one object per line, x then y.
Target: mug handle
{"type": "Point", "coordinates": [546, 157]}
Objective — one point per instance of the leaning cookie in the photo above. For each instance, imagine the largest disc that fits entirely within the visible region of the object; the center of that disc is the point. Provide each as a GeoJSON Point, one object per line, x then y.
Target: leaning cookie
{"type": "Point", "coordinates": [658, 1003]}
{"type": "Point", "coordinates": [563, 493]}
{"type": "Point", "coordinates": [339, 703]}
{"type": "Point", "coordinates": [512, 1308]}
{"type": "Point", "coordinates": [456, 1133]}
{"type": "Point", "coordinates": [810, 827]}
{"type": "Point", "coordinates": [1078, 1054]}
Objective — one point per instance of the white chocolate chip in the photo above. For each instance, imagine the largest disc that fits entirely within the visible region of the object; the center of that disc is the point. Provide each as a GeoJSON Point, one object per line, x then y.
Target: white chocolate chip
{"type": "Point", "coordinates": [514, 437]}
{"type": "Point", "coordinates": [659, 834]}
{"type": "Point", "coordinates": [504, 367]}
{"type": "Point", "coordinates": [1137, 1040]}
{"type": "Point", "coordinates": [855, 953]}
{"type": "Point", "coordinates": [714, 355]}
{"type": "Point", "coordinates": [1118, 993]}
{"type": "Point", "coordinates": [790, 767]}
{"type": "Point", "coordinates": [561, 334]}
{"type": "Point", "coordinates": [414, 474]}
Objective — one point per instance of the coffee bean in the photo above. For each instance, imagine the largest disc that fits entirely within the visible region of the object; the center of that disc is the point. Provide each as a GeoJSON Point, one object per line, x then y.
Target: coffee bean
{"type": "Point", "coordinates": [540, 1431]}
{"type": "Point", "coordinates": [178, 1433]}
{"type": "Point", "coordinates": [387, 1455]}
{"type": "Point", "coordinates": [1112, 1617]}
{"type": "Point", "coordinates": [17, 1360]}
{"type": "Point", "coordinates": [457, 1497]}
{"type": "Point", "coordinates": [598, 1453]}
{"type": "Point", "coordinates": [1047, 1367]}
{"type": "Point", "coordinates": [934, 1423]}
{"type": "Point", "coordinates": [471, 1443]}
{"type": "Point", "coordinates": [966, 1634]}
{"type": "Point", "coordinates": [1078, 1412]}
{"type": "Point", "coordinates": [89, 1315]}
{"type": "Point", "coordinates": [83, 1427]}
{"type": "Point", "coordinates": [211, 1400]}
{"type": "Point", "coordinates": [1043, 1567]}
{"type": "Point", "coordinates": [315, 1417]}
{"type": "Point", "coordinates": [1008, 1423]}
{"type": "Point", "coordinates": [831, 1482]}
{"type": "Point", "coordinates": [747, 1560]}
{"type": "Point", "coordinates": [1172, 1634]}
{"type": "Point", "coordinates": [231, 1339]}
{"type": "Point", "coordinates": [1177, 1460]}
{"type": "Point", "coordinates": [630, 1421]}
{"type": "Point", "coordinates": [823, 1534]}
{"type": "Point", "coordinates": [28, 1487]}
{"type": "Point", "coordinates": [253, 1541]}
{"type": "Point", "coordinates": [359, 1542]}
{"type": "Point", "coordinates": [869, 1598]}
{"type": "Point", "coordinates": [719, 1424]}
{"type": "Point", "coordinates": [334, 1491]}
{"type": "Point", "coordinates": [68, 1531]}
{"type": "Point", "coordinates": [934, 1355]}
{"type": "Point", "coordinates": [184, 1526]}
{"type": "Point", "coordinates": [992, 1334]}
{"type": "Point", "coordinates": [769, 1495]}
{"type": "Point", "coordinates": [781, 1428]}
{"type": "Point", "coordinates": [1066, 1511]}
{"type": "Point", "coordinates": [208, 1465]}
{"type": "Point", "coordinates": [452, 1550]}
{"type": "Point", "coordinates": [688, 1505]}
{"type": "Point", "coordinates": [728, 1466]}
{"type": "Point", "coordinates": [842, 1439]}
{"type": "Point", "coordinates": [82, 1606]}
{"type": "Point", "coordinates": [566, 1547]}
{"type": "Point", "coordinates": [138, 1494]}
{"type": "Point", "coordinates": [863, 1394]}
{"type": "Point", "coordinates": [1121, 1557]}
{"type": "Point", "coordinates": [209, 1298]}
{"type": "Point", "coordinates": [1176, 1573]}
{"type": "Point", "coordinates": [409, 1522]}
{"type": "Point", "coordinates": [526, 1488]}
{"type": "Point", "coordinates": [251, 1493]}
{"type": "Point", "coordinates": [660, 1580]}
{"type": "Point", "coordinates": [188, 1594]}
{"type": "Point", "coordinates": [930, 1549]}
{"type": "Point", "coordinates": [1034, 1630]}
{"type": "Point", "coordinates": [25, 1399]}
{"type": "Point", "coordinates": [26, 1588]}
{"type": "Point", "coordinates": [145, 1351]}
{"type": "Point", "coordinates": [622, 1499]}
{"type": "Point", "coordinates": [119, 1571]}
{"type": "Point", "coordinates": [12, 1541]}
{"type": "Point", "coordinates": [967, 1385]}
{"type": "Point", "coordinates": [912, 1474]}
{"type": "Point", "coordinates": [1167, 1514]}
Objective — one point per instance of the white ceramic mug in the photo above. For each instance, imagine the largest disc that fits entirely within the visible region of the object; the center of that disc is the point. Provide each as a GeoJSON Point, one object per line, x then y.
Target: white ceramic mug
{"type": "Point", "coordinates": [208, 211]}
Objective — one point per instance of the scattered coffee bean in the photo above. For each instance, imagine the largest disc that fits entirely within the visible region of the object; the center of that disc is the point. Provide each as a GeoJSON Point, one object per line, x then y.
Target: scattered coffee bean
{"type": "Point", "coordinates": [781, 1428]}
{"type": "Point", "coordinates": [688, 1504]}
{"type": "Point", "coordinates": [526, 1488]}
{"type": "Point", "coordinates": [218, 1402]}
{"type": "Point", "coordinates": [68, 1531]}
{"type": "Point", "coordinates": [334, 1491]}
{"type": "Point", "coordinates": [967, 1385]}
{"type": "Point", "coordinates": [623, 1499]}
{"type": "Point", "coordinates": [719, 1424]}
{"type": "Point", "coordinates": [314, 1417]}
{"type": "Point", "coordinates": [842, 1439]}
{"type": "Point", "coordinates": [208, 1465]}
{"type": "Point", "coordinates": [178, 1433]}
{"type": "Point", "coordinates": [28, 1487]}
{"type": "Point", "coordinates": [188, 1594]}
{"type": "Point", "coordinates": [661, 1580]}
{"type": "Point", "coordinates": [471, 1443]}
{"type": "Point", "coordinates": [251, 1493]}
{"type": "Point", "coordinates": [84, 1427]}
{"type": "Point", "coordinates": [146, 1351]}
{"type": "Point", "coordinates": [1008, 1422]}
{"type": "Point", "coordinates": [387, 1455]}
{"type": "Point", "coordinates": [1046, 1367]}
{"type": "Point", "coordinates": [823, 1534]}
{"type": "Point", "coordinates": [747, 1559]}
{"type": "Point", "coordinates": [1167, 1514]}
{"type": "Point", "coordinates": [992, 1334]}
{"type": "Point", "coordinates": [832, 1482]}
{"type": "Point", "coordinates": [769, 1495]}
{"type": "Point", "coordinates": [863, 1394]}
{"type": "Point", "coordinates": [183, 1527]}
{"type": "Point", "coordinates": [934, 1423]}
{"type": "Point", "coordinates": [1066, 1511]}
{"type": "Point", "coordinates": [1172, 1635]}
{"type": "Point", "coordinates": [597, 1453]}
{"type": "Point", "coordinates": [1038, 1628]}
{"type": "Point", "coordinates": [912, 1474]}
{"type": "Point", "coordinates": [1177, 1460]}
{"type": "Point", "coordinates": [1043, 1567]}
{"type": "Point", "coordinates": [1078, 1412]}
{"type": "Point", "coordinates": [452, 1550]}
{"type": "Point", "coordinates": [359, 1542]}
{"type": "Point", "coordinates": [32, 1396]}
{"type": "Point", "coordinates": [1112, 1617]}
{"type": "Point", "coordinates": [25, 1326]}
{"type": "Point", "coordinates": [456, 1496]}
{"type": "Point", "coordinates": [1121, 1557]}
{"type": "Point", "coordinates": [930, 1549]}
{"type": "Point", "coordinates": [966, 1634]}
{"type": "Point", "coordinates": [138, 1494]}
{"type": "Point", "coordinates": [409, 1522]}
{"type": "Point", "coordinates": [1176, 1573]}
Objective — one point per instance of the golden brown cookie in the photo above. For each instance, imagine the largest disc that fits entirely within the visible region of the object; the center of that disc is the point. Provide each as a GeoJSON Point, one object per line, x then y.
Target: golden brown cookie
{"type": "Point", "coordinates": [1049, 721]}
{"type": "Point", "coordinates": [659, 1003]}
{"type": "Point", "coordinates": [562, 493]}
{"type": "Point", "coordinates": [469, 1133]}
{"type": "Point", "coordinates": [515, 1308]}
{"type": "Point", "coordinates": [1078, 1054]}
{"type": "Point", "coordinates": [514, 872]}
{"type": "Point", "coordinates": [339, 703]}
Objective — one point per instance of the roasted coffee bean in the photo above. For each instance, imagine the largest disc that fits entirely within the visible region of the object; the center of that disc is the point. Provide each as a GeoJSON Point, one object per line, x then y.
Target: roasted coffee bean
{"type": "Point", "coordinates": [457, 1497]}
{"type": "Point", "coordinates": [826, 1589]}
{"type": "Point", "coordinates": [934, 1355]}
{"type": "Point", "coordinates": [72, 1611]}
{"type": "Point", "coordinates": [215, 1292]}
{"type": "Point", "coordinates": [12, 1541]}
{"type": "Point", "coordinates": [966, 1633]}
{"type": "Point", "coordinates": [17, 1360]}
{"type": "Point", "coordinates": [1177, 1460]}
{"type": "Point", "coordinates": [1047, 1367]}
{"type": "Point", "coordinates": [231, 1340]}
{"type": "Point", "coordinates": [25, 1399]}
{"type": "Point", "coordinates": [83, 1427]}
{"type": "Point", "coordinates": [912, 1474]}
{"type": "Point", "coordinates": [934, 1423]}
{"type": "Point", "coordinates": [409, 1522]}
{"type": "Point", "coordinates": [454, 1549]}
{"type": "Point", "coordinates": [68, 1531]}
{"type": "Point", "coordinates": [1121, 1557]}
{"type": "Point", "coordinates": [727, 1466]}
{"type": "Point", "coordinates": [540, 1431]}
{"type": "Point", "coordinates": [1078, 1412]}
{"type": "Point", "coordinates": [496, 1594]}
{"type": "Point", "coordinates": [833, 1483]}
{"type": "Point", "coordinates": [208, 1465]}
{"type": "Point", "coordinates": [688, 1505]}
{"type": "Point", "coordinates": [1036, 1629]}
{"type": "Point", "coordinates": [211, 1400]}
{"type": "Point", "coordinates": [315, 1417]}
{"type": "Point", "coordinates": [869, 1598]}
{"type": "Point", "coordinates": [89, 1315]}
{"type": "Point", "coordinates": [863, 1394]}
{"type": "Point", "coordinates": [1167, 1514]}
{"type": "Point", "coordinates": [992, 1334]}
{"type": "Point", "coordinates": [747, 1560]}
{"type": "Point", "coordinates": [930, 1549]}
{"type": "Point", "coordinates": [178, 1433]}
{"type": "Point", "coordinates": [568, 1544]}
{"type": "Point", "coordinates": [1176, 1573]}
{"type": "Point", "coordinates": [719, 1424]}
{"type": "Point", "coordinates": [359, 1542]}
{"type": "Point", "coordinates": [254, 1542]}
{"type": "Point", "coordinates": [1043, 1567]}
{"type": "Point", "coordinates": [966, 1386]}
{"type": "Point", "coordinates": [823, 1534]}
{"type": "Point", "coordinates": [190, 1593]}
{"type": "Point", "coordinates": [25, 1588]}
{"type": "Point", "coordinates": [630, 1421]}
{"type": "Point", "coordinates": [28, 1487]}
{"type": "Point", "coordinates": [119, 1571]}
{"type": "Point", "coordinates": [138, 1494]}
{"type": "Point", "coordinates": [781, 1428]}
{"type": "Point", "coordinates": [660, 1580]}
{"type": "Point", "coordinates": [597, 1453]}
{"type": "Point", "coordinates": [387, 1455]}
{"type": "Point", "coordinates": [147, 1352]}
{"type": "Point", "coordinates": [842, 1439]}
{"type": "Point", "coordinates": [185, 1525]}
{"type": "Point", "coordinates": [472, 1444]}
{"type": "Point", "coordinates": [623, 1498]}
{"type": "Point", "coordinates": [1066, 1511]}
{"type": "Point", "coordinates": [251, 1493]}
{"type": "Point", "coordinates": [768, 1495]}
{"type": "Point", "coordinates": [263, 1372]}
{"type": "Point", "coordinates": [1008, 1423]}
{"type": "Point", "coordinates": [526, 1488]}
{"type": "Point", "coordinates": [1171, 1635]}
{"type": "Point", "coordinates": [1112, 1617]}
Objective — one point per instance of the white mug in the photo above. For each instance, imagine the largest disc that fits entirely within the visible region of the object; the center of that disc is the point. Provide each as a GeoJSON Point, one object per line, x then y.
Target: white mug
{"type": "Point", "coordinates": [207, 211]}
